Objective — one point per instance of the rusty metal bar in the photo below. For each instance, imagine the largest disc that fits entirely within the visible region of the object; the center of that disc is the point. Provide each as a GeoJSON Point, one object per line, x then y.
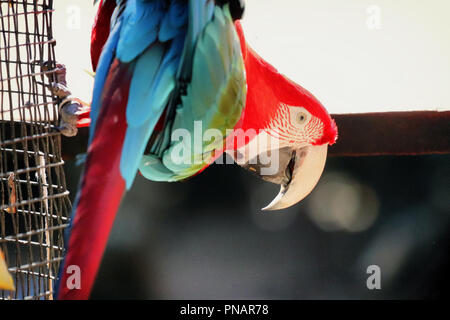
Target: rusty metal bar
{"type": "Point", "coordinates": [34, 202]}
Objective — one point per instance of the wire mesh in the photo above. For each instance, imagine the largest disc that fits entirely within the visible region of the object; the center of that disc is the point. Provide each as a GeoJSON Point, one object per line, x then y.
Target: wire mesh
{"type": "Point", "coordinates": [34, 200]}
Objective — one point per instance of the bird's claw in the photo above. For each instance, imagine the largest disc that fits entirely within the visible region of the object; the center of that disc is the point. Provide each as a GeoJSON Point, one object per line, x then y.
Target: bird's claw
{"type": "Point", "coordinates": [60, 90]}
{"type": "Point", "coordinates": [58, 85]}
{"type": "Point", "coordinates": [73, 114]}
{"type": "Point", "coordinates": [71, 111]}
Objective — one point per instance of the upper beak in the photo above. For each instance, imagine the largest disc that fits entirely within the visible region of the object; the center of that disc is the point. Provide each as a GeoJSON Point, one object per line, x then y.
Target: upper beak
{"type": "Point", "coordinates": [298, 173]}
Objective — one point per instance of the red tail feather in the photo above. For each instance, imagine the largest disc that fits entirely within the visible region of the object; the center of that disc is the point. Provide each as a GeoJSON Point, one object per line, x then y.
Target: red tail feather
{"type": "Point", "coordinates": [102, 187]}
{"type": "Point", "coordinates": [100, 30]}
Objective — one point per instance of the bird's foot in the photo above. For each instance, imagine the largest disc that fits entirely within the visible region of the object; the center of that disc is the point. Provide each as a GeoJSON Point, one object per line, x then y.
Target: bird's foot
{"type": "Point", "coordinates": [71, 112]}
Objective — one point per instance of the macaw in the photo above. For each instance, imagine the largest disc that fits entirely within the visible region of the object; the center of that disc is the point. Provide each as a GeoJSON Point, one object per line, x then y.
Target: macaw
{"type": "Point", "coordinates": [165, 67]}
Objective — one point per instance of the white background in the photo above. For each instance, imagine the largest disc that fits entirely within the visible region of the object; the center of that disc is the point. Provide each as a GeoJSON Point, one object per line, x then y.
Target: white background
{"type": "Point", "coordinates": [351, 58]}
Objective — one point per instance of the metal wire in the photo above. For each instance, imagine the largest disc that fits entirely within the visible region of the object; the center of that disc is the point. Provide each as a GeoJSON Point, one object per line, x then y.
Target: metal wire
{"type": "Point", "coordinates": [34, 203]}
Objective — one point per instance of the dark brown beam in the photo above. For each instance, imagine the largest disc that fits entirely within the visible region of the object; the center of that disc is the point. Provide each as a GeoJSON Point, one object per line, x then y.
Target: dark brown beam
{"type": "Point", "coordinates": [361, 134]}
{"type": "Point", "coordinates": [392, 133]}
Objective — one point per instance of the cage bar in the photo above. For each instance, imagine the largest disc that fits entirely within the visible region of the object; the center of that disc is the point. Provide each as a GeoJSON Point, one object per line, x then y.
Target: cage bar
{"type": "Point", "coordinates": [35, 203]}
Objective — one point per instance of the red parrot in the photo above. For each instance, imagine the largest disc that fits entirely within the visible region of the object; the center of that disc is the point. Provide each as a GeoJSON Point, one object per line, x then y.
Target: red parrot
{"type": "Point", "coordinates": [165, 68]}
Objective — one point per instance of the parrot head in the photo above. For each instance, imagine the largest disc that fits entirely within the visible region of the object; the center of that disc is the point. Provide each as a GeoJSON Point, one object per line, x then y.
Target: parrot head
{"type": "Point", "coordinates": [287, 124]}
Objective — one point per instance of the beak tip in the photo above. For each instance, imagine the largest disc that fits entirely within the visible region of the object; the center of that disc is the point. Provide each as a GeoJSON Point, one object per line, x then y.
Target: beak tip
{"type": "Point", "coordinates": [307, 172]}
{"type": "Point", "coordinates": [274, 205]}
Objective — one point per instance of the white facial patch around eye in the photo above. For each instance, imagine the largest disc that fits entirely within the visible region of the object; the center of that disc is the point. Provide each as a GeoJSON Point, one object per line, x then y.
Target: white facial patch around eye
{"type": "Point", "coordinates": [294, 125]}
{"type": "Point", "coordinates": [299, 116]}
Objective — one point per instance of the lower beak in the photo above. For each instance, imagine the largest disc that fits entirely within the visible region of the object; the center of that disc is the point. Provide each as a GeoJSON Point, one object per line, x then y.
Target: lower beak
{"type": "Point", "coordinates": [309, 163]}
{"type": "Point", "coordinates": [298, 172]}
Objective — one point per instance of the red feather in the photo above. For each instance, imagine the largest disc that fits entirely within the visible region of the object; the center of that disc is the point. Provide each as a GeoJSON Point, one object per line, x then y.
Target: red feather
{"type": "Point", "coordinates": [102, 187]}
{"type": "Point", "coordinates": [101, 29]}
{"type": "Point", "coordinates": [99, 36]}
{"type": "Point", "coordinates": [267, 88]}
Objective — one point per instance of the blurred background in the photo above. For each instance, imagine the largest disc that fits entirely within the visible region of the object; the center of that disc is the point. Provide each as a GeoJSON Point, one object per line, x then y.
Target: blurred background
{"type": "Point", "coordinates": [354, 55]}
{"type": "Point", "coordinates": [207, 238]}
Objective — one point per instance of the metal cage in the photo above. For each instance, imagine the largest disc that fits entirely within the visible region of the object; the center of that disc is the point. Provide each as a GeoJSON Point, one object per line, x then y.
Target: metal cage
{"type": "Point", "coordinates": [35, 203]}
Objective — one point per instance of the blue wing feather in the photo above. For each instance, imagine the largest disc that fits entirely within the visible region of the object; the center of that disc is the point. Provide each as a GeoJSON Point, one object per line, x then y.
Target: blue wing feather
{"type": "Point", "coordinates": [214, 97]}
{"type": "Point", "coordinates": [154, 78]}
{"type": "Point", "coordinates": [141, 21]}
{"type": "Point", "coordinates": [173, 21]}
{"type": "Point", "coordinates": [145, 106]}
{"type": "Point", "coordinates": [157, 40]}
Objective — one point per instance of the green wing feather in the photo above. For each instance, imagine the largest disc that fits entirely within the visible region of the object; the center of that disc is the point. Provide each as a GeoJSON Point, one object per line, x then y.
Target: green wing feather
{"type": "Point", "coordinates": [215, 97]}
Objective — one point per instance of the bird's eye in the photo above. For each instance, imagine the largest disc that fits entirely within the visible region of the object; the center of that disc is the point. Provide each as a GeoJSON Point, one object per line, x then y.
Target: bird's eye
{"type": "Point", "coordinates": [301, 117]}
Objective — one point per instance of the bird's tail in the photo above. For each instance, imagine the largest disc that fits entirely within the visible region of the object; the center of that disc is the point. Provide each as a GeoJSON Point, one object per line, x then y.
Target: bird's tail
{"type": "Point", "coordinates": [101, 190]}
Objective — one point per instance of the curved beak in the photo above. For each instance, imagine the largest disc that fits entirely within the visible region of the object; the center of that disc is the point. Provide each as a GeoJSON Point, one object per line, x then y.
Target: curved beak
{"type": "Point", "coordinates": [305, 172]}
{"type": "Point", "coordinates": [297, 171]}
